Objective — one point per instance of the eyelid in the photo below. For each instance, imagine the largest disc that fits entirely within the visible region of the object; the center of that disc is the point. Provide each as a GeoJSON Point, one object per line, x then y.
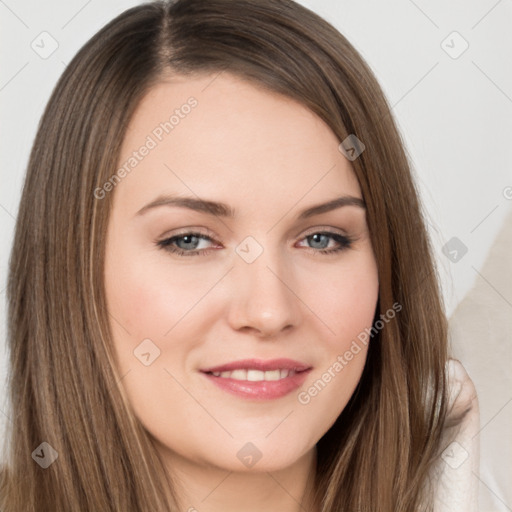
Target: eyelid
{"type": "Point", "coordinates": [189, 230]}
{"type": "Point", "coordinates": [323, 229]}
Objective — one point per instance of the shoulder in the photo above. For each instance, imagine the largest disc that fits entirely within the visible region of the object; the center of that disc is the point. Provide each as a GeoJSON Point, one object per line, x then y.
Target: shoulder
{"type": "Point", "coordinates": [458, 462]}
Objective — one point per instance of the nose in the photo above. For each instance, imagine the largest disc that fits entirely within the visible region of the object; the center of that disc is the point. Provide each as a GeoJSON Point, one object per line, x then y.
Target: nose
{"type": "Point", "coordinates": [264, 299]}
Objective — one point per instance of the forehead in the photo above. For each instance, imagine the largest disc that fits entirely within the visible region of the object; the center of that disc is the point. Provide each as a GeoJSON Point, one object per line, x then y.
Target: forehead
{"type": "Point", "coordinates": [218, 132]}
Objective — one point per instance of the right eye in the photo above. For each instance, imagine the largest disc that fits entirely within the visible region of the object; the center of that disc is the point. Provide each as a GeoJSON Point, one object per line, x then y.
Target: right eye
{"type": "Point", "coordinates": [186, 244]}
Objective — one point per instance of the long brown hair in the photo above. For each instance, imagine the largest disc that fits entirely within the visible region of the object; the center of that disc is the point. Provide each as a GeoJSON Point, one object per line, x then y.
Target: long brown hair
{"type": "Point", "coordinates": [64, 387]}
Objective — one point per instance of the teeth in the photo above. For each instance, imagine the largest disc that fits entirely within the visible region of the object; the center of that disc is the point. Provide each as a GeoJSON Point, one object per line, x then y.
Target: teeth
{"type": "Point", "coordinates": [255, 375]}
{"type": "Point", "coordinates": [237, 375]}
{"type": "Point", "coordinates": [272, 375]}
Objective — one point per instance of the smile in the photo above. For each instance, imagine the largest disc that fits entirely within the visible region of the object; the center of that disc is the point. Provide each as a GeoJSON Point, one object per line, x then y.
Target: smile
{"type": "Point", "coordinates": [258, 380]}
{"type": "Point", "coordinates": [255, 375]}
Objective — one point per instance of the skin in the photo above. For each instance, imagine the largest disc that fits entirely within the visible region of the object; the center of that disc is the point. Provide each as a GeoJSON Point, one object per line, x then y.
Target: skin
{"type": "Point", "coordinates": [268, 158]}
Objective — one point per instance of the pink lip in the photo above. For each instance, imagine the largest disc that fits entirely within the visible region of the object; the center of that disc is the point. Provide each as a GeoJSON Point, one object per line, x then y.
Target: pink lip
{"type": "Point", "coordinates": [262, 390]}
{"type": "Point", "coordinates": [258, 364]}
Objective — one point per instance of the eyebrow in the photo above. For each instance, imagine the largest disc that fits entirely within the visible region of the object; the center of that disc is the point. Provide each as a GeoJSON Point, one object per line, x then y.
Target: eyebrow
{"type": "Point", "coordinates": [223, 210]}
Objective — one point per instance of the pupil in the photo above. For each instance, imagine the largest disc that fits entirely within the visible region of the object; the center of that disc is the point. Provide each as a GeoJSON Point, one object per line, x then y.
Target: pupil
{"type": "Point", "coordinates": [319, 241]}
{"type": "Point", "coordinates": [188, 242]}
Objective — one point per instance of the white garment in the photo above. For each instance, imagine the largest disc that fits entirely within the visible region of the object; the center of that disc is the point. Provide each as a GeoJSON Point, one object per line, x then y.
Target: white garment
{"type": "Point", "coordinates": [458, 465]}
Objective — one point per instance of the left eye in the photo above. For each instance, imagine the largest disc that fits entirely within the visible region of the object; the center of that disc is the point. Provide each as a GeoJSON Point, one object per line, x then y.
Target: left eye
{"type": "Point", "coordinates": [322, 240]}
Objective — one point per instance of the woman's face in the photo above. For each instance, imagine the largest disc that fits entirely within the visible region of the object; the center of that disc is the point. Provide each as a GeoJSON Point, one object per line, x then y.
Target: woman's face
{"type": "Point", "coordinates": [237, 277]}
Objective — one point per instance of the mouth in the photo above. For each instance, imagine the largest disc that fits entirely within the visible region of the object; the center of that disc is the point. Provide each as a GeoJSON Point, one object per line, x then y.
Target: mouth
{"type": "Point", "coordinates": [252, 375]}
{"type": "Point", "coordinates": [259, 380]}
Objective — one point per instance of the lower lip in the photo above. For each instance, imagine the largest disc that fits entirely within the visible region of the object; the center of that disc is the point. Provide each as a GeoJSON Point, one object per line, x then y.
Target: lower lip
{"type": "Point", "coordinates": [261, 390]}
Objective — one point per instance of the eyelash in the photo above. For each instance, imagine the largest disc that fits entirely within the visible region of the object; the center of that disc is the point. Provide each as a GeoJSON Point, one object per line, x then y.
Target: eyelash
{"type": "Point", "coordinates": [345, 242]}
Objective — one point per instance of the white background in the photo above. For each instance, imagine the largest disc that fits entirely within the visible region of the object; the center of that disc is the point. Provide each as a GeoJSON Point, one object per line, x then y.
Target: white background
{"type": "Point", "coordinates": [455, 115]}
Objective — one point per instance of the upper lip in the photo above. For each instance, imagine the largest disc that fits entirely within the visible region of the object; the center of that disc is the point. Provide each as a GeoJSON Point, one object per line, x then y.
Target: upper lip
{"type": "Point", "coordinates": [259, 364]}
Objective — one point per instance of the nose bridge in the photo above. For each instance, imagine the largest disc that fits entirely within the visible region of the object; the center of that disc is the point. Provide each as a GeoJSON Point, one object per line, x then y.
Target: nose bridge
{"type": "Point", "coordinates": [262, 296]}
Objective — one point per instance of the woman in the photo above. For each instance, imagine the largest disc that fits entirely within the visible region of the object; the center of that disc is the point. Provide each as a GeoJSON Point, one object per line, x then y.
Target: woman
{"type": "Point", "coordinates": [200, 167]}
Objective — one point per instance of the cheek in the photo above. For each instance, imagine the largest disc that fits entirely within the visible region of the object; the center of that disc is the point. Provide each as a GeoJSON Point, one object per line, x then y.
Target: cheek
{"type": "Point", "coordinates": [347, 306]}
{"type": "Point", "coordinates": [347, 300]}
{"type": "Point", "coordinates": [148, 315]}
{"type": "Point", "coordinates": [141, 308]}
{"type": "Point", "coordinates": [149, 300]}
